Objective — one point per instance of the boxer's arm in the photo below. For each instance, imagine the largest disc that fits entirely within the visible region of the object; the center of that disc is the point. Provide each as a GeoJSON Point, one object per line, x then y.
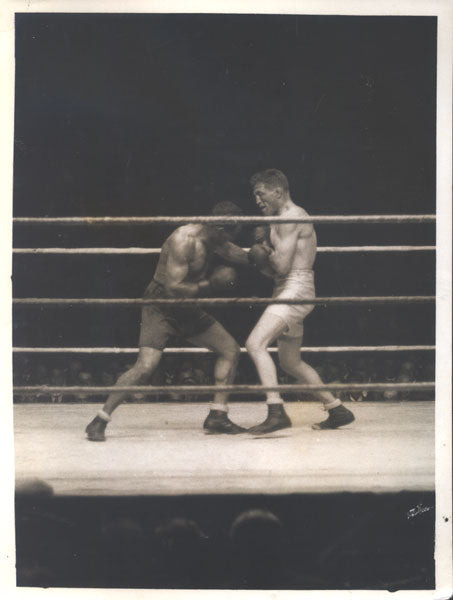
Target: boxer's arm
{"type": "Point", "coordinates": [180, 253]}
{"type": "Point", "coordinates": [261, 235]}
{"type": "Point", "coordinates": [268, 272]}
{"type": "Point", "coordinates": [232, 253]}
{"type": "Point", "coordinates": [282, 256]}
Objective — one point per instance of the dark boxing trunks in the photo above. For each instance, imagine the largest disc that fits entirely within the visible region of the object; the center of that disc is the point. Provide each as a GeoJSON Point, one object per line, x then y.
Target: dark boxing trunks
{"type": "Point", "coordinates": [159, 323]}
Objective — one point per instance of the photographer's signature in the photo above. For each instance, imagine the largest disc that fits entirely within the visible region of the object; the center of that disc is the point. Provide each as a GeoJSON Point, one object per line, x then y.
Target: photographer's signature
{"type": "Point", "coordinates": [418, 510]}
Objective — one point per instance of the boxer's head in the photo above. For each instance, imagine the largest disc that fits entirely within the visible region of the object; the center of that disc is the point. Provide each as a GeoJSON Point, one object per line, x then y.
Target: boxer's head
{"type": "Point", "coordinates": [227, 209]}
{"type": "Point", "coordinates": [270, 188]}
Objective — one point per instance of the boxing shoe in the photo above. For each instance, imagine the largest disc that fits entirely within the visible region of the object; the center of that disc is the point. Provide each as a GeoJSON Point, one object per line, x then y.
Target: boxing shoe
{"type": "Point", "coordinates": [96, 430]}
{"type": "Point", "coordinates": [218, 421]}
{"type": "Point", "coordinates": [338, 416]}
{"type": "Point", "coordinates": [276, 419]}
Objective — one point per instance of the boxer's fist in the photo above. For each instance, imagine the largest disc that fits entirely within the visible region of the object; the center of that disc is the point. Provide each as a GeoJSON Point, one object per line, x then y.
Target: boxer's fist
{"type": "Point", "coordinates": [223, 278]}
{"type": "Point", "coordinates": [259, 256]}
{"type": "Point", "coordinates": [261, 235]}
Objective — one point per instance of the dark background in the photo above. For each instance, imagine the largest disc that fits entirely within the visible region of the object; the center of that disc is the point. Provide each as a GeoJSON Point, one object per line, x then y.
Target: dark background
{"type": "Point", "coordinates": [329, 541]}
{"type": "Point", "coordinates": [167, 114]}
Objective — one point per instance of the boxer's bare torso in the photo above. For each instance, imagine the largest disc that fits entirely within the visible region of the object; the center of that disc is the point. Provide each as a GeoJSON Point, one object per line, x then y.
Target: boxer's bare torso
{"type": "Point", "coordinates": [305, 244]}
{"type": "Point", "coordinates": [187, 256]}
{"type": "Point", "coordinates": [186, 245]}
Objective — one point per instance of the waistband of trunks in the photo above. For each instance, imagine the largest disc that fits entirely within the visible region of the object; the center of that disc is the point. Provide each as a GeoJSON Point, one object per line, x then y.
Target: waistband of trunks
{"type": "Point", "coordinates": [296, 274]}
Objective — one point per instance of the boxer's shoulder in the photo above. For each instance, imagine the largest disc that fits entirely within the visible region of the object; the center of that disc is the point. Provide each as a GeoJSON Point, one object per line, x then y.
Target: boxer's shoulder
{"type": "Point", "coordinates": [184, 243]}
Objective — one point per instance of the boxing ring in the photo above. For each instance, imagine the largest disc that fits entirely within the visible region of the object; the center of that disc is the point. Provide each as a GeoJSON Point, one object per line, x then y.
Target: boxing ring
{"type": "Point", "coordinates": [160, 448]}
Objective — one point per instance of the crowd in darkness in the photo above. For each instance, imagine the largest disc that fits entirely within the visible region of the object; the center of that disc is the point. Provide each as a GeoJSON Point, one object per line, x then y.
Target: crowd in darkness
{"type": "Point", "coordinates": [234, 542]}
{"type": "Point", "coordinates": [197, 369]}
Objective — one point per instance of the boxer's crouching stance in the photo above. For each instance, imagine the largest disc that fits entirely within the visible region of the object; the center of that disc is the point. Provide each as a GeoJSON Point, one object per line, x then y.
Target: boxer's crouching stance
{"type": "Point", "coordinates": [182, 272]}
{"type": "Point", "coordinates": [286, 254]}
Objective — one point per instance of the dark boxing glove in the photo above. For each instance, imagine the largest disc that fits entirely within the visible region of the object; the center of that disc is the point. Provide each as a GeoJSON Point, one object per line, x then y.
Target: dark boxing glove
{"type": "Point", "coordinates": [223, 278]}
{"type": "Point", "coordinates": [259, 255]}
{"type": "Point", "coordinates": [262, 235]}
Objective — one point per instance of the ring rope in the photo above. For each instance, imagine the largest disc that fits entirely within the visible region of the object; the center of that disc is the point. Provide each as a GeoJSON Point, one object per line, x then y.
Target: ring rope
{"type": "Point", "coordinates": [231, 389]}
{"type": "Point", "coordinates": [329, 249]}
{"type": "Point", "coordinates": [311, 349]}
{"type": "Point", "coordinates": [224, 220]}
{"type": "Point", "coordinates": [227, 301]}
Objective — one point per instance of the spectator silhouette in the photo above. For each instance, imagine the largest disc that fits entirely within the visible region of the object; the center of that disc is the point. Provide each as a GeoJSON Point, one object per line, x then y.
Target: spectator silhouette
{"type": "Point", "coordinates": [428, 374]}
{"type": "Point", "coordinates": [32, 486]}
{"type": "Point", "coordinates": [107, 377]}
{"type": "Point", "coordinates": [22, 375]}
{"type": "Point", "coordinates": [47, 548]}
{"type": "Point", "coordinates": [406, 375]}
{"type": "Point", "coordinates": [85, 378]}
{"type": "Point", "coordinates": [389, 375]}
{"type": "Point", "coordinates": [57, 379]}
{"type": "Point", "coordinates": [257, 551]}
{"type": "Point", "coordinates": [122, 553]}
{"type": "Point", "coordinates": [180, 555]}
{"type": "Point", "coordinates": [41, 377]}
{"type": "Point", "coordinates": [72, 372]}
{"type": "Point", "coordinates": [72, 378]}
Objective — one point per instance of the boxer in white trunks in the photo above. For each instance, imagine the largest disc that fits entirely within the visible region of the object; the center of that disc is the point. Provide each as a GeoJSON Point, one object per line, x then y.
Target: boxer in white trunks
{"type": "Point", "coordinates": [285, 252]}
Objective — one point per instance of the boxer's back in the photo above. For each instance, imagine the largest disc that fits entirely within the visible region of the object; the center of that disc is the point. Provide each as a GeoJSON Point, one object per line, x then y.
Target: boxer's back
{"type": "Point", "coordinates": [197, 258]}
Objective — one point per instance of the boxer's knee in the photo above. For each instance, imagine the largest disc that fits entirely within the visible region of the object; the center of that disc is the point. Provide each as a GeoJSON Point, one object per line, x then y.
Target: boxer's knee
{"type": "Point", "coordinates": [231, 352]}
{"type": "Point", "coordinates": [254, 345]}
{"type": "Point", "coordinates": [146, 363]}
{"type": "Point", "coordinates": [290, 364]}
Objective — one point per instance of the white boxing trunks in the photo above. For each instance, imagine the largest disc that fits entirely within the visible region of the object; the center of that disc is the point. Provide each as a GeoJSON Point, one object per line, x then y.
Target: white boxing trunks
{"type": "Point", "coordinates": [299, 283]}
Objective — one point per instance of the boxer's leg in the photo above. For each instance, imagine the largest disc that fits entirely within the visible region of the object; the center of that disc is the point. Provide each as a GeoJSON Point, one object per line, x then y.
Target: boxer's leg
{"type": "Point", "coordinates": [147, 361]}
{"type": "Point", "coordinates": [268, 328]}
{"type": "Point", "coordinates": [291, 362]}
{"type": "Point", "coordinates": [218, 340]}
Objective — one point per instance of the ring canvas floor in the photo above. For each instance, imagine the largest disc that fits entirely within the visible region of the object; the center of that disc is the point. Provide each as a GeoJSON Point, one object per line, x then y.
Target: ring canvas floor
{"type": "Point", "coordinates": [161, 448]}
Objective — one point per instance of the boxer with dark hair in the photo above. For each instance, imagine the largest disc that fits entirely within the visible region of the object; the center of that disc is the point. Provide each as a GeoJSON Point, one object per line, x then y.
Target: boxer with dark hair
{"type": "Point", "coordinates": [286, 252]}
{"type": "Point", "coordinates": [185, 270]}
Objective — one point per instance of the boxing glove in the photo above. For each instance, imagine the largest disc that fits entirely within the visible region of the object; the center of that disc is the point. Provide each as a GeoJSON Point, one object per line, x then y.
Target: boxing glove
{"type": "Point", "coordinates": [262, 234]}
{"type": "Point", "coordinates": [259, 256]}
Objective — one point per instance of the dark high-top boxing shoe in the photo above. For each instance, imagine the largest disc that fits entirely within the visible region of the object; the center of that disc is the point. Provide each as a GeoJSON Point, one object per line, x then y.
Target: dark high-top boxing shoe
{"type": "Point", "coordinates": [338, 416]}
{"type": "Point", "coordinates": [276, 419]}
{"type": "Point", "coordinates": [218, 421]}
{"type": "Point", "coordinates": [96, 430]}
